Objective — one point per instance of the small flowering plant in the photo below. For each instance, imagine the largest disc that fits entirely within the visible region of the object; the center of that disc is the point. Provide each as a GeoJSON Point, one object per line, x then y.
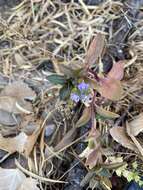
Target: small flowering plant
{"type": "Point", "coordinates": [91, 87]}
{"type": "Point", "coordinates": [82, 93]}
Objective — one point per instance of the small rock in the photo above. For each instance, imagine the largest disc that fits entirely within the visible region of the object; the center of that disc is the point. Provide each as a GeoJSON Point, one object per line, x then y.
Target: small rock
{"type": "Point", "coordinates": [133, 186]}
{"type": "Point", "coordinates": [49, 129]}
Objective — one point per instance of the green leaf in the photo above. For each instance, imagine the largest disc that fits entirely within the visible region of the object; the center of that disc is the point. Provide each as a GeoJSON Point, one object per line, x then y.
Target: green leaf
{"type": "Point", "coordinates": [57, 79]}
{"type": "Point", "coordinates": [65, 92]}
{"type": "Point", "coordinates": [105, 173]}
{"type": "Point", "coordinates": [140, 183]}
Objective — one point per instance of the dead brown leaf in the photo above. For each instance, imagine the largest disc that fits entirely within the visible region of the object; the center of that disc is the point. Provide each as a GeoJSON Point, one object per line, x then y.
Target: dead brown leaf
{"type": "Point", "coordinates": [136, 125]}
{"type": "Point", "coordinates": [138, 145]}
{"type": "Point", "coordinates": [19, 90]}
{"type": "Point", "coordinates": [21, 143]}
{"type": "Point", "coordinates": [29, 184]}
{"type": "Point", "coordinates": [12, 98]}
{"type": "Point", "coordinates": [119, 135]}
{"type": "Point", "coordinates": [117, 71]}
{"type": "Point", "coordinates": [11, 179]}
{"type": "Point", "coordinates": [105, 113]}
{"type": "Point", "coordinates": [31, 140]}
{"type": "Point", "coordinates": [111, 88]}
{"type": "Point", "coordinates": [85, 117]}
{"type": "Point", "coordinates": [12, 105]}
{"type": "Point", "coordinates": [94, 158]}
{"type": "Point", "coordinates": [95, 49]}
{"type": "Point", "coordinates": [14, 179]}
{"type": "Point", "coordinates": [93, 153]}
{"type": "Point", "coordinates": [66, 140]}
{"type": "Point", "coordinates": [13, 144]}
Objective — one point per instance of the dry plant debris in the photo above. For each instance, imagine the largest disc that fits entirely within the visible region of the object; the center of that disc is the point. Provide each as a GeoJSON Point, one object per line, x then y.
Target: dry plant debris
{"type": "Point", "coordinates": [49, 46]}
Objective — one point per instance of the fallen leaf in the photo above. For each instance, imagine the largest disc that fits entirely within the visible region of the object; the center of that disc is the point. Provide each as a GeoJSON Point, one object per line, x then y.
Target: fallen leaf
{"type": "Point", "coordinates": [14, 179]}
{"type": "Point", "coordinates": [8, 119]}
{"type": "Point", "coordinates": [8, 104]}
{"type": "Point", "coordinates": [31, 140]}
{"type": "Point", "coordinates": [10, 179]}
{"type": "Point", "coordinates": [29, 183]}
{"type": "Point", "coordinates": [110, 88]}
{"type": "Point", "coordinates": [117, 71]}
{"type": "Point", "coordinates": [85, 117]}
{"type": "Point", "coordinates": [12, 105]}
{"type": "Point", "coordinates": [64, 69]}
{"type": "Point", "coordinates": [21, 143]}
{"type": "Point", "coordinates": [66, 140]}
{"type": "Point", "coordinates": [138, 145]}
{"type": "Point", "coordinates": [13, 144]}
{"type": "Point", "coordinates": [136, 125]}
{"type": "Point", "coordinates": [28, 124]}
{"type": "Point", "coordinates": [19, 90]}
{"type": "Point", "coordinates": [105, 113]}
{"type": "Point", "coordinates": [94, 158]}
{"type": "Point", "coordinates": [13, 98]}
{"type": "Point", "coordinates": [120, 136]}
{"type": "Point", "coordinates": [95, 49]}
{"type": "Point", "coordinates": [93, 153]}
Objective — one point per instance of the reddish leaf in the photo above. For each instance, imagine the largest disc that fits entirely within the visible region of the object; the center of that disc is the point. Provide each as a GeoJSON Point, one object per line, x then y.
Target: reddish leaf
{"type": "Point", "coordinates": [117, 71]}
{"type": "Point", "coordinates": [110, 88]}
{"type": "Point", "coordinates": [94, 158]}
{"type": "Point", "coordinates": [95, 49]}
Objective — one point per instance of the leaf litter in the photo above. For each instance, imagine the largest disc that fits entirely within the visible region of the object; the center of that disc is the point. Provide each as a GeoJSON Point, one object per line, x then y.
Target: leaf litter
{"type": "Point", "coordinates": [51, 31]}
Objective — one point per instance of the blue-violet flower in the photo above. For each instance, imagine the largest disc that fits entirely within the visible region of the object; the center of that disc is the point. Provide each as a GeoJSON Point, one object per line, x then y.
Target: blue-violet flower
{"type": "Point", "coordinates": [75, 97]}
{"type": "Point", "coordinates": [83, 86]}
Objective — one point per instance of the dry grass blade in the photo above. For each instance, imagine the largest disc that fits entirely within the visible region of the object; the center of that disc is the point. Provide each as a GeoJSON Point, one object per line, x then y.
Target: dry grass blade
{"type": "Point", "coordinates": [35, 175]}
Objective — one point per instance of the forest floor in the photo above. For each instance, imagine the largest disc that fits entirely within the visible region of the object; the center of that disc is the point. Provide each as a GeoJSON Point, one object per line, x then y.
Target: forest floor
{"type": "Point", "coordinates": [38, 133]}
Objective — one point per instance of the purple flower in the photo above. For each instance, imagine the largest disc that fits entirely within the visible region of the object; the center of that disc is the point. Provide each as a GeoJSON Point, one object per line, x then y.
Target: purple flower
{"type": "Point", "coordinates": [75, 97]}
{"type": "Point", "coordinates": [86, 98]}
{"type": "Point", "coordinates": [83, 86]}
